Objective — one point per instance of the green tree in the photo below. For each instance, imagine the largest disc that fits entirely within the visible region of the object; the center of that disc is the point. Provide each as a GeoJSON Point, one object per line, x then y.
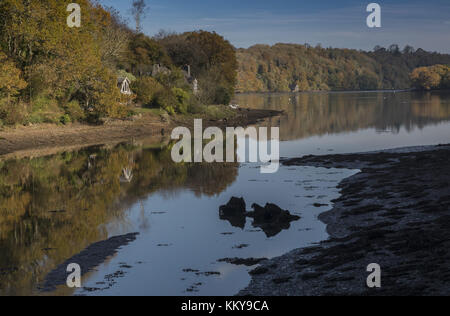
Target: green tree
{"type": "Point", "coordinates": [142, 53]}
{"type": "Point", "coordinates": [212, 60]}
{"type": "Point", "coordinates": [146, 89]}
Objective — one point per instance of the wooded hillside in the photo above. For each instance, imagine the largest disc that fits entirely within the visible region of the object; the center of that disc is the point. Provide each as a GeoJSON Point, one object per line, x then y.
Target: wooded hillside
{"type": "Point", "coordinates": [288, 67]}
{"type": "Point", "coordinates": [50, 72]}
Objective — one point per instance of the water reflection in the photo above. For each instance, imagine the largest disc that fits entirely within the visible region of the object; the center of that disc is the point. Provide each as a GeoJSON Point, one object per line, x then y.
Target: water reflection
{"type": "Point", "coordinates": [53, 207]}
{"type": "Point", "coordinates": [237, 220]}
{"type": "Point", "coordinates": [181, 251]}
{"type": "Point", "coordinates": [317, 114]}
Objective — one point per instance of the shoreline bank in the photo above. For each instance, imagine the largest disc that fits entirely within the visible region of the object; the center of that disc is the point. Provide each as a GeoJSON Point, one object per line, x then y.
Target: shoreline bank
{"type": "Point", "coordinates": [395, 212]}
{"type": "Point", "coordinates": [48, 139]}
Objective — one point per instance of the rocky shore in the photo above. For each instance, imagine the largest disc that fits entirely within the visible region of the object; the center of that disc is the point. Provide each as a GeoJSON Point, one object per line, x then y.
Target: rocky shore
{"type": "Point", "coordinates": [395, 212]}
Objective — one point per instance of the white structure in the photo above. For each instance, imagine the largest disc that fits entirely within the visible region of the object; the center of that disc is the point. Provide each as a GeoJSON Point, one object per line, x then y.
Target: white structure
{"type": "Point", "coordinates": [124, 85]}
{"type": "Point", "coordinates": [127, 175]}
{"type": "Point", "coordinates": [190, 79]}
{"type": "Point", "coordinates": [195, 86]}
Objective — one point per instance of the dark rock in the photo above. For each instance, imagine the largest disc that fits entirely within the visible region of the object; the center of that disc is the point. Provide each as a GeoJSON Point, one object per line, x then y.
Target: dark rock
{"type": "Point", "coordinates": [208, 273]}
{"type": "Point", "coordinates": [234, 206]}
{"type": "Point", "coordinates": [281, 280]}
{"type": "Point", "coordinates": [241, 246]}
{"type": "Point", "coordinates": [234, 212]}
{"type": "Point", "coordinates": [271, 218]}
{"type": "Point", "coordinates": [239, 261]}
{"type": "Point", "coordinates": [190, 270]}
{"type": "Point", "coordinates": [259, 271]}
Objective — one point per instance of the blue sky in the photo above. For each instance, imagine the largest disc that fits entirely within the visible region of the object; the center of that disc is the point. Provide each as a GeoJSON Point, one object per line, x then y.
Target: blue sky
{"type": "Point", "coordinates": [336, 23]}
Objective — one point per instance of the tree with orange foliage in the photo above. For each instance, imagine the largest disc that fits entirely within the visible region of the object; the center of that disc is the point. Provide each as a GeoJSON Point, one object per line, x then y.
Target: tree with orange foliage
{"type": "Point", "coordinates": [429, 78]}
{"type": "Point", "coordinates": [11, 81]}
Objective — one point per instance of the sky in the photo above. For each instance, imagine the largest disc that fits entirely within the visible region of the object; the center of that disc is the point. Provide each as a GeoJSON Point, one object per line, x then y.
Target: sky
{"type": "Point", "coordinates": [331, 23]}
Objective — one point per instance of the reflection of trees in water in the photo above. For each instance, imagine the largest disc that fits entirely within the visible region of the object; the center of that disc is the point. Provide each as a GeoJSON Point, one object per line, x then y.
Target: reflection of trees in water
{"type": "Point", "coordinates": [315, 114]}
{"type": "Point", "coordinates": [211, 178]}
{"type": "Point", "coordinates": [53, 207]}
{"type": "Point", "coordinates": [432, 105]}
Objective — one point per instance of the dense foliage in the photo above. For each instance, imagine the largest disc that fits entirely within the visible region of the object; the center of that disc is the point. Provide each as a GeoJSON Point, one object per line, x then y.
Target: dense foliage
{"type": "Point", "coordinates": [287, 67]}
{"type": "Point", "coordinates": [52, 73]}
{"type": "Point", "coordinates": [212, 60]}
{"type": "Point", "coordinates": [430, 78]}
{"type": "Point", "coordinates": [52, 65]}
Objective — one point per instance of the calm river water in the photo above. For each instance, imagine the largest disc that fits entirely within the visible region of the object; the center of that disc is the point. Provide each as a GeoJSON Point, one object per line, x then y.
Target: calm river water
{"type": "Point", "coordinates": [52, 207]}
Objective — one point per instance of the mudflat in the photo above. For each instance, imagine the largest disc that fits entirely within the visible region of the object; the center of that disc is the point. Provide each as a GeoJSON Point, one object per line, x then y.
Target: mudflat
{"type": "Point", "coordinates": [395, 212]}
{"type": "Point", "coordinates": [88, 259]}
{"type": "Point", "coordinates": [47, 138]}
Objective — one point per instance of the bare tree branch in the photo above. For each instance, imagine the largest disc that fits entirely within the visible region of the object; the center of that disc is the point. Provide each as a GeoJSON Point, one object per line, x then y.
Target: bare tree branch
{"type": "Point", "coordinates": [139, 10]}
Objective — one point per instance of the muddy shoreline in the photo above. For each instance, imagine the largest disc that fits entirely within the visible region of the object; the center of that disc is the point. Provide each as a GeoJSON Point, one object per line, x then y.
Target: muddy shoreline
{"type": "Point", "coordinates": [395, 212]}
{"type": "Point", "coordinates": [47, 139]}
{"type": "Point", "coordinates": [88, 259]}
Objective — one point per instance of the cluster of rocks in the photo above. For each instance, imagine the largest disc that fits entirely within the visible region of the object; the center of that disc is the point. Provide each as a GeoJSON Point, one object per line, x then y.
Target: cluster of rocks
{"type": "Point", "coordinates": [271, 218]}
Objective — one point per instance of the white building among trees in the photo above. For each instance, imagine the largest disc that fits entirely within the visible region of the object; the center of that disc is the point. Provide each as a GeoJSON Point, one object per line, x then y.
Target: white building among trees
{"type": "Point", "coordinates": [124, 85]}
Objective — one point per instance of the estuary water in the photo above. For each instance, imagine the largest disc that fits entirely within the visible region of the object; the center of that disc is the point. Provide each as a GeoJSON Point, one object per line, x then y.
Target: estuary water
{"type": "Point", "coordinates": [53, 207]}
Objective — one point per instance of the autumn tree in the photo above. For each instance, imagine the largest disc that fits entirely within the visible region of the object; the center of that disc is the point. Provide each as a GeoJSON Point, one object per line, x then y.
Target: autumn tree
{"type": "Point", "coordinates": [11, 81]}
{"type": "Point", "coordinates": [142, 53]}
{"type": "Point", "coordinates": [429, 78]}
{"type": "Point", "coordinates": [61, 63]}
{"type": "Point", "coordinates": [212, 60]}
{"type": "Point", "coordinates": [445, 81]}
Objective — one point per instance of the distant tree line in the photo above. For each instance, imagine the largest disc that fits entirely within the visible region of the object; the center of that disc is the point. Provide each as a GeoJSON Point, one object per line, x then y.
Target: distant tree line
{"type": "Point", "coordinates": [52, 73]}
{"type": "Point", "coordinates": [287, 67]}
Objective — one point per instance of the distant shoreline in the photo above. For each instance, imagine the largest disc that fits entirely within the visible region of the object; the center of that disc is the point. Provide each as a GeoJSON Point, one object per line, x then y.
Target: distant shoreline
{"type": "Point", "coordinates": [337, 91]}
